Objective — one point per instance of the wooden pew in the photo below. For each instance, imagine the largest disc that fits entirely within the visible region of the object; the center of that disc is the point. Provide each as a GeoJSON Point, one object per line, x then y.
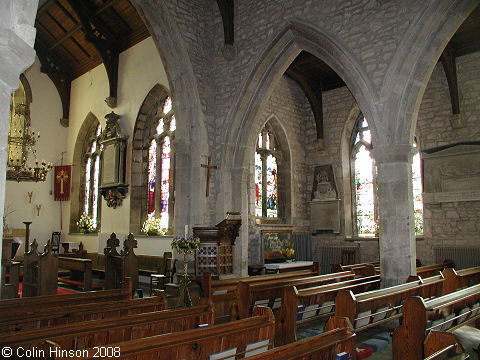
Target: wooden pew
{"type": "Point", "coordinates": [431, 270]}
{"type": "Point", "coordinates": [312, 303]}
{"type": "Point", "coordinates": [363, 269]}
{"type": "Point", "coordinates": [30, 305]}
{"type": "Point", "coordinates": [439, 344]}
{"type": "Point", "coordinates": [103, 332]}
{"type": "Point", "coordinates": [338, 338]}
{"type": "Point", "coordinates": [439, 314]}
{"type": "Point", "coordinates": [39, 271]}
{"type": "Point", "coordinates": [77, 266]}
{"type": "Point", "coordinates": [196, 344]}
{"type": "Point", "coordinates": [120, 265]}
{"type": "Point", "coordinates": [270, 293]}
{"type": "Point", "coordinates": [223, 293]}
{"type": "Point", "coordinates": [67, 314]}
{"type": "Point", "coordinates": [459, 279]}
{"type": "Point", "coordinates": [371, 308]}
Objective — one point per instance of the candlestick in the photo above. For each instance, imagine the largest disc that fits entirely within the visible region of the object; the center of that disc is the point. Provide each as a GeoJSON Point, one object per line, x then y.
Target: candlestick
{"type": "Point", "coordinates": [186, 231]}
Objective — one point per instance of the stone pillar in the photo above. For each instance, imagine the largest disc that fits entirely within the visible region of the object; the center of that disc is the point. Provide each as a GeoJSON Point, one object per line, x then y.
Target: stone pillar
{"type": "Point", "coordinates": [395, 213]}
{"type": "Point", "coordinates": [17, 36]}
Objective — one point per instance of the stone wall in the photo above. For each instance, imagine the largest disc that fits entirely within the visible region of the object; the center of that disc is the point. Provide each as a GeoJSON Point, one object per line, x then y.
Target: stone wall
{"type": "Point", "coordinates": [452, 223]}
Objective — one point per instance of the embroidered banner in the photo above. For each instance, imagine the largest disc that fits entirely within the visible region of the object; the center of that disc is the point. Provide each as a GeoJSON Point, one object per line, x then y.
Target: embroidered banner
{"type": "Point", "coordinates": [62, 182]}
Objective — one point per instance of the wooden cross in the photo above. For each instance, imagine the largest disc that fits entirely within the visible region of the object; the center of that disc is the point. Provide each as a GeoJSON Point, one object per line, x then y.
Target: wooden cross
{"type": "Point", "coordinates": [209, 167]}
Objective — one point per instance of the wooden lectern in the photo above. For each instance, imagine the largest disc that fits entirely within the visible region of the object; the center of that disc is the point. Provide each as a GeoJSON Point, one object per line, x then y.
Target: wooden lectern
{"type": "Point", "coordinates": [215, 254]}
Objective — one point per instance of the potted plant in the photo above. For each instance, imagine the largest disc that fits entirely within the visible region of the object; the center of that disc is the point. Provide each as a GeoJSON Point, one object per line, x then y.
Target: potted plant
{"type": "Point", "coordinates": [152, 226]}
{"type": "Point", "coordinates": [86, 224]}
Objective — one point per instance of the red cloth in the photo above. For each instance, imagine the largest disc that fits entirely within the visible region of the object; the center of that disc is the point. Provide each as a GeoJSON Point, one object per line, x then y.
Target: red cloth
{"type": "Point", "coordinates": [62, 178]}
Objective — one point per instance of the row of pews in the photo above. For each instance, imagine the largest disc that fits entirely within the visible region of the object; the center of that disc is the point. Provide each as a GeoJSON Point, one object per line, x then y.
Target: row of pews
{"type": "Point", "coordinates": [264, 315]}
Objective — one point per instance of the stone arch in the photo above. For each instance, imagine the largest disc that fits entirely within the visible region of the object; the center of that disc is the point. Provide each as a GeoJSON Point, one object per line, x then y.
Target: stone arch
{"type": "Point", "coordinates": [142, 132]}
{"type": "Point", "coordinates": [191, 138]}
{"type": "Point", "coordinates": [84, 138]}
{"type": "Point", "coordinates": [294, 38]}
{"type": "Point", "coordinates": [413, 64]}
{"type": "Point", "coordinates": [346, 168]}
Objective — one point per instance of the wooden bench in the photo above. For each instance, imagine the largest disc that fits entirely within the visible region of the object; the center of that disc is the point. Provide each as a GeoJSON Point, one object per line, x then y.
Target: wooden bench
{"type": "Point", "coordinates": [78, 267]}
{"type": "Point", "coordinates": [303, 305]}
{"type": "Point", "coordinates": [338, 338]}
{"type": "Point", "coordinates": [439, 345]}
{"type": "Point", "coordinates": [120, 265]}
{"type": "Point", "coordinates": [102, 332]}
{"type": "Point", "coordinates": [199, 344]}
{"type": "Point", "coordinates": [223, 293]}
{"type": "Point", "coordinates": [270, 293]}
{"type": "Point", "coordinates": [459, 279]}
{"type": "Point", "coordinates": [445, 313]}
{"type": "Point", "coordinates": [431, 270]}
{"type": "Point", "coordinates": [372, 308]}
{"type": "Point", "coordinates": [39, 271]}
{"type": "Point", "coordinates": [30, 305]}
{"type": "Point", "coordinates": [363, 269]}
{"type": "Point", "coordinates": [66, 314]}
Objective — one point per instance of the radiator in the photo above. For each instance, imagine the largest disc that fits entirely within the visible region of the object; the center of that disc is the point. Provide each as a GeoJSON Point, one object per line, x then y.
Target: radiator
{"type": "Point", "coordinates": [302, 243]}
{"type": "Point", "coordinates": [333, 255]}
{"type": "Point", "coordinates": [463, 257]}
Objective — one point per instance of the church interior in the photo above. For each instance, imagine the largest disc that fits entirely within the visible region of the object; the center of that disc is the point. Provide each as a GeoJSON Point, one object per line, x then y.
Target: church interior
{"type": "Point", "coordinates": [290, 178]}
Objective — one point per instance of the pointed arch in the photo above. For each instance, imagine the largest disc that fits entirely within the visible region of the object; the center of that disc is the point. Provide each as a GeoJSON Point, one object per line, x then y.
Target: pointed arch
{"type": "Point", "coordinates": [85, 136]}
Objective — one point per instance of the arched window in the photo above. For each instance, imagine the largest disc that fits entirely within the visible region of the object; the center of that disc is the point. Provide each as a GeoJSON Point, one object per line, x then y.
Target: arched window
{"type": "Point", "coordinates": [266, 172]}
{"type": "Point", "coordinates": [417, 189]}
{"type": "Point", "coordinates": [92, 175]}
{"type": "Point", "coordinates": [160, 165]}
{"type": "Point", "coordinates": [364, 188]}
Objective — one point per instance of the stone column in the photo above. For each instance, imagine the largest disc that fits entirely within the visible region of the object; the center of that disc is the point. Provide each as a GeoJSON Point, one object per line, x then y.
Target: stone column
{"type": "Point", "coordinates": [395, 213]}
{"type": "Point", "coordinates": [17, 36]}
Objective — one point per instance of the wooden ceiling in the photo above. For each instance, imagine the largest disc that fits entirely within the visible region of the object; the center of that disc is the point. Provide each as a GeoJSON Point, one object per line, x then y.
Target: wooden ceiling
{"type": "Point", "coordinates": [61, 32]}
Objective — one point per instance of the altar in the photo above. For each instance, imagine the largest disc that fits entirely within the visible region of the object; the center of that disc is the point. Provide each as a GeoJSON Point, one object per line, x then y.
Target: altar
{"type": "Point", "coordinates": [275, 268]}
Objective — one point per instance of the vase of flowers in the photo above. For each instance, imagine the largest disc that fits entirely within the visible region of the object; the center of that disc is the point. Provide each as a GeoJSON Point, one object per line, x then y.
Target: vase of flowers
{"type": "Point", "coordinates": [288, 252]}
{"type": "Point", "coordinates": [86, 224]}
{"type": "Point", "coordinates": [185, 245]}
{"type": "Point", "coordinates": [153, 227]}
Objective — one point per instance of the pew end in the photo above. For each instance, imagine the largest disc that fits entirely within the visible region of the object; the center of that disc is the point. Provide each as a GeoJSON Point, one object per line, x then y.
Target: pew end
{"type": "Point", "coordinates": [439, 342]}
{"type": "Point", "coordinates": [336, 322]}
{"type": "Point", "coordinates": [345, 305]}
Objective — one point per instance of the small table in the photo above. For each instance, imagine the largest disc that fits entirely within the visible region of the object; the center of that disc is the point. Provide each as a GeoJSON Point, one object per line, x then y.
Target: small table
{"type": "Point", "coordinates": [66, 245]}
{"type": "Point", "coordinates": [276, 268]}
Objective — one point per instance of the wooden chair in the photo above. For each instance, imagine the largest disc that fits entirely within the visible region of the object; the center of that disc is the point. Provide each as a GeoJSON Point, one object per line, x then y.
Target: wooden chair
{"type": "Point", "coordinates": [158, 281]}
{"type": "Point", "coordinates": [56, 236]}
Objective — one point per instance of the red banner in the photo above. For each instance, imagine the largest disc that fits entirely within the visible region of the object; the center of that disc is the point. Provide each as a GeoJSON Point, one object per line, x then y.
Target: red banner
{"type": "Point", "coordinates": [62, 182]}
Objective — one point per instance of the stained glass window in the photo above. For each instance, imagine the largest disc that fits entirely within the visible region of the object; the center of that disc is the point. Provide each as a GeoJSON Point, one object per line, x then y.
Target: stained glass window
{"type": "Point", "coordinates": [363, 179]}
{"type": "Point", "coordinates": [165, 187]}
{"type": "Point", "coordinates": [272, 193]}
{"type": "Point", "coordinates": [258, 185]}
{"type": "Point", "coordinates": [152, 175]}
{"type": "Point", "coordinates": [266, 192]}
{"type": "Point", "coordinates": [92, 178]}
{"type": "Point", "coordinates": [417, 190]}
{"type": "Point", "coordinates": [159, 202]}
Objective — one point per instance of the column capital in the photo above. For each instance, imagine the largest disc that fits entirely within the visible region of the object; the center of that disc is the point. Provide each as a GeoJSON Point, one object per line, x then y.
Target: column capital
{"type": "Point", "coordinates": [392, 153]}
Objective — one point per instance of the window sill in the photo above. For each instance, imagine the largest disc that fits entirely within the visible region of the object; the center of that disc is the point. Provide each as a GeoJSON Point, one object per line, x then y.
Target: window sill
{"type": "Point", "coordinates": [84, 234]}
{"type": "Point", "coordinates": [375, 238]}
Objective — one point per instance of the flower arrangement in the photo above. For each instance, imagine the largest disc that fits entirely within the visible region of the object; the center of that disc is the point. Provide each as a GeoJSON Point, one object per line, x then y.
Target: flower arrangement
{"type": "Point", "coordinates": [152, 226]}
{"type": "Point", "coordinates": [185, 244]}
{"type": "Point", "coordinates": [288, 252]}
{"type": "Point", "coordinates": [86, 224]}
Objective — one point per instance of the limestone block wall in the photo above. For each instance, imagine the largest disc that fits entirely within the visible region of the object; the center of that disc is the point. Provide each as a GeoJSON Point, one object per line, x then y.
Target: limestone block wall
{"type": "Point", "coordinates": [453, 223]}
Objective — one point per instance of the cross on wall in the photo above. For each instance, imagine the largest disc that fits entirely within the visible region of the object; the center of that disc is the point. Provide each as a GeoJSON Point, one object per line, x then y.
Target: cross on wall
{"type": "Point", "coordinates": [209, 168]}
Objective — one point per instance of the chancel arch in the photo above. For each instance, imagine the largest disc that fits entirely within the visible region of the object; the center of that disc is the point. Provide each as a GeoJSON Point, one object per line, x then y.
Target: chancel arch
{"type": "Point", "coordinates": [85, 173]}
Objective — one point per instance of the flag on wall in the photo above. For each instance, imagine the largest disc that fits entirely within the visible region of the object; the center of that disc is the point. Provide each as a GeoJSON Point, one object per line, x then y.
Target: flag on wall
{"type": "Point", "coordinates": [62, 182]}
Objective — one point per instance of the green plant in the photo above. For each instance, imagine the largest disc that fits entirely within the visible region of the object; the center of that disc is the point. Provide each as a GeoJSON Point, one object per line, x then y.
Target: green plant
{"type": "Point", "coordinates": [182, 244]}
{"type": "Point", "coordinates": [86, 224]}
{"type": "Point", "coordinates": [152, 226]}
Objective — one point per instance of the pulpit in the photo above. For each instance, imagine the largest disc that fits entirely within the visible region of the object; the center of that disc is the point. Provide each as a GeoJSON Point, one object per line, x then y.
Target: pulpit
{"type": "Point", "coordinates": [215, 254]}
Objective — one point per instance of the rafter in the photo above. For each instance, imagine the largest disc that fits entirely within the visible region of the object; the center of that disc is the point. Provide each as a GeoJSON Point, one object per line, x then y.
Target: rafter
{"type": "Point", "coordinates": [449, 65]}
{"type": "Point", "coordinates": [104, 42]}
